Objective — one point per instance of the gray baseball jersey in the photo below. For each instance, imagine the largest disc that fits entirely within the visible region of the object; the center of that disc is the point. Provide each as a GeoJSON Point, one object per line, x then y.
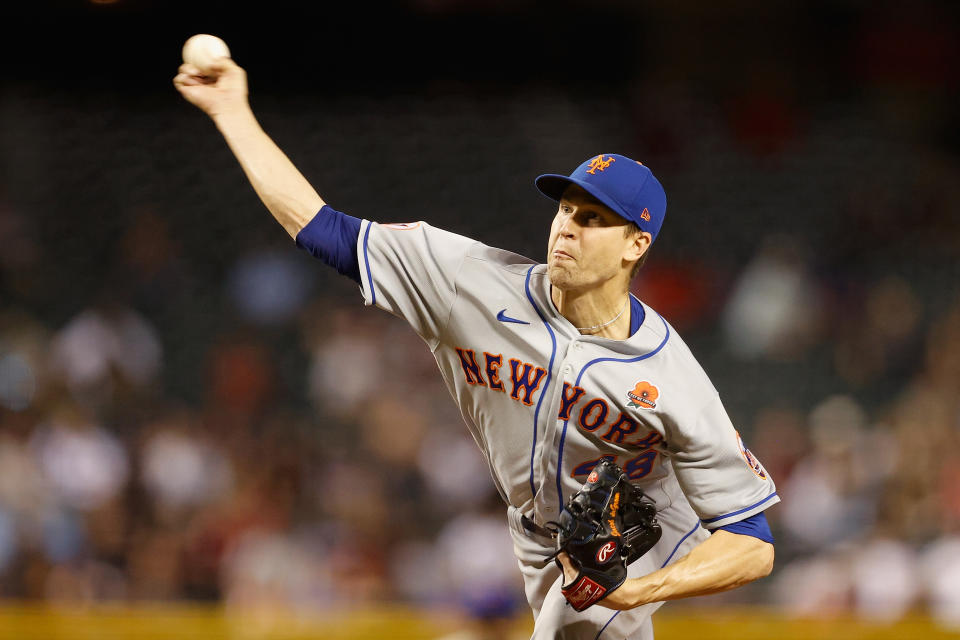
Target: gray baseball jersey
{"type": "Point", "coordinates": [545, 403]}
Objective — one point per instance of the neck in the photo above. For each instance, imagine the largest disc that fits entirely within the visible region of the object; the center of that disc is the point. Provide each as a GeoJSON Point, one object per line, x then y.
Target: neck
{"type": "Point", "coordinates": [594, 308]}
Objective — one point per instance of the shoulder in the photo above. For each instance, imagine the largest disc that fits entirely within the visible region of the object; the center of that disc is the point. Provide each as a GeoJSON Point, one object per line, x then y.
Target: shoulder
{"type": "Point", "coordinates": [471, 248]}
{"type": "Point", "coordinates": [673, 354]}
{"type": "Point", "coordinates": [499, 258]}
{"type": "Point", "coordinates": [657, 328]}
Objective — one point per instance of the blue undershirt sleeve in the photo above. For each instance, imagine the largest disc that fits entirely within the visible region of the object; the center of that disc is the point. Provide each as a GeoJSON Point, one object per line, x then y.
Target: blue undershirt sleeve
{"type": "Point", "coordinates": [332, 237]}
{"type": "Point", "coordinates": [756, 526]}
{"type": "Point", "coordinates": [637, 315]}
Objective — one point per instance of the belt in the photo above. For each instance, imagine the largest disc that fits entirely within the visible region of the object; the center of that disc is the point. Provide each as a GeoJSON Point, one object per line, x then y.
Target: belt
{"type": "Point", "coordinates": [536, 529]}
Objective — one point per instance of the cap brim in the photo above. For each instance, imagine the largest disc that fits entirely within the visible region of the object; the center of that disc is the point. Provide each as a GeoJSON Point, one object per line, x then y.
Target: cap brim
{"type": "Point", "coordinates": [553, 185]}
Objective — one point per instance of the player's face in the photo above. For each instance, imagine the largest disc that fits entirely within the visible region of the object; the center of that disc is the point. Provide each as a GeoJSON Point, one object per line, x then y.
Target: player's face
{"type": "Point", "coordinates": [587, 246]}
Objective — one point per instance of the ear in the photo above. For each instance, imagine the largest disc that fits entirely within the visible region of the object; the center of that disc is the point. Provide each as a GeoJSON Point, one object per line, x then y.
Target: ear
{"type": "Point", "coordinates": [641, 241]}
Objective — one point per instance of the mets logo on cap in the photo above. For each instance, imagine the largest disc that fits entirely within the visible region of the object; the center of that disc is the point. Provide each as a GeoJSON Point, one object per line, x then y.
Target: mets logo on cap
{"type": "Point", "coordinates": [599, 164]}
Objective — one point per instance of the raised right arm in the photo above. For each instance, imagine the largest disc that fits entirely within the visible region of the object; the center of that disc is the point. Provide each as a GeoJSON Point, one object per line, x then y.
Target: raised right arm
{"type": "Point", "coordinates": [280, 185]}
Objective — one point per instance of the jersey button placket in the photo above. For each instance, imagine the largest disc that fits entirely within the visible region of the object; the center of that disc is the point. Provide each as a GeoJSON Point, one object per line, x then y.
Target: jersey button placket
{"type": "Point", "coordinates": [567, 362]}
{"type": "Point", "coordinates": [546, 498]}
{"type": "Point", "coordinates": [568, 371]}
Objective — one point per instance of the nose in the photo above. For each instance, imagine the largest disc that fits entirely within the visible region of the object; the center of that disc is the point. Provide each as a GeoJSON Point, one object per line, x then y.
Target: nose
{"type": "Point", "coordinates": [567, 226]}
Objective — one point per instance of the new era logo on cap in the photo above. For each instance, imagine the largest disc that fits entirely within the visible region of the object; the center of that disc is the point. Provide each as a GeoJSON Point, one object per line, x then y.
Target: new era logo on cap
{"type": "Point", "coordinates": [626, 186]}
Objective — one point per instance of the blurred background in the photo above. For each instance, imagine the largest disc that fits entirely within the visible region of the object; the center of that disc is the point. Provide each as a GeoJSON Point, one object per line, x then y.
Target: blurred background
{"type": "Point", "coordinates": [193, 410]}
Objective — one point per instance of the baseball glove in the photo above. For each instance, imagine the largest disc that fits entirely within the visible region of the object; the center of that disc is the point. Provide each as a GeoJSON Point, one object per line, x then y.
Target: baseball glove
{"type": "Point", "coordinates": [604, 527]}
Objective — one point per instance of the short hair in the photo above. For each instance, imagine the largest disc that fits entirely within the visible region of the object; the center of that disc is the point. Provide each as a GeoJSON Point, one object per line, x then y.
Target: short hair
{"type": "Point", "coordinates": [629, 230]}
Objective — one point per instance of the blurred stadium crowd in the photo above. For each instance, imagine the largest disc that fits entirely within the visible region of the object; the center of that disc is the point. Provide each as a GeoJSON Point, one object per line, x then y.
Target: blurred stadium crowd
{"type": "Point", "coordinates": [190, 408]}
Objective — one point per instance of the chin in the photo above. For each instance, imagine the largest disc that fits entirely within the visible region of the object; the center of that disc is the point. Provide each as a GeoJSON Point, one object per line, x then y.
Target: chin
{"type": "Point", "coordinates": [561, 278]}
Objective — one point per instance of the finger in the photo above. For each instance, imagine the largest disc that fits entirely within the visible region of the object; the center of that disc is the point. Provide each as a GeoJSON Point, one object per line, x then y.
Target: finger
{"type": "Point", "coordinates": [184, 80]}
{"type": "Point", "coordinates": [569, 571]}
{"type": "Point", "coordinates": [222, 65]}
{"type": "Point", "coordinates": [189, 69]}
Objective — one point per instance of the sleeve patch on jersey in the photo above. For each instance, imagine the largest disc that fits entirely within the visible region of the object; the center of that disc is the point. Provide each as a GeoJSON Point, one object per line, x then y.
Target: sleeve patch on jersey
{"type": "Point", "coordinates": [401, 226]}
{"type": "Point", "coordinates": [751, 459]}
{"type": "Point", "coordinates": [644, 395]}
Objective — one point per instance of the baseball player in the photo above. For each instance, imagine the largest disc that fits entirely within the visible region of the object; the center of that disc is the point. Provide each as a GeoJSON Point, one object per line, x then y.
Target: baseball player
{"type": "Point", "coordinates": [554, 366]}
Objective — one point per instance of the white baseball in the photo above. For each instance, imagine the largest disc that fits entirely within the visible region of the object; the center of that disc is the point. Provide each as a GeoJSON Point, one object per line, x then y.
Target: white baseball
{"type": "Point", "coordinates": [203, 49]}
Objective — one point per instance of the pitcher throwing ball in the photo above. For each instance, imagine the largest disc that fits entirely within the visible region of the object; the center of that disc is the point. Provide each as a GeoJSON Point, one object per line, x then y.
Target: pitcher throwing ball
{"type": "Point", "coordinates": [555, 367]}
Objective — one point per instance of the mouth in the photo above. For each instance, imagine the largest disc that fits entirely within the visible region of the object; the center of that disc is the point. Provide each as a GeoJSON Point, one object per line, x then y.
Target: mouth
{"type": "Point", "coordinates": [561, 255]}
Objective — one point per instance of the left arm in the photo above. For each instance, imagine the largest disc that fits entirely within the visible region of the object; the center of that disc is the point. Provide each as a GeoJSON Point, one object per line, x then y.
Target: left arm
{"type": "Point", "coordinates": [724, 561]}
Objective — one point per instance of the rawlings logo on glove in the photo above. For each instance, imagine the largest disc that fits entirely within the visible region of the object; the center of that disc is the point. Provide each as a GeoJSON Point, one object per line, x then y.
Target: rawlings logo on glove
{"type": "Point", "coordinates": [604, 527]}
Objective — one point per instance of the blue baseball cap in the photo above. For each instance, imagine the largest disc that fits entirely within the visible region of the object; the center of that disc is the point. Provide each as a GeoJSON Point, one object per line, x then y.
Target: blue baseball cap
{"type": "Point", "coordinates": [626, 186]}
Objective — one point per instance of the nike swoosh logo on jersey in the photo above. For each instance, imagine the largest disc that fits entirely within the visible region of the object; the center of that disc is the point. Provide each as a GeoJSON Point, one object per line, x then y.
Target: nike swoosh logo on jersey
{"type": "Point", "coordinates": [503, 317]}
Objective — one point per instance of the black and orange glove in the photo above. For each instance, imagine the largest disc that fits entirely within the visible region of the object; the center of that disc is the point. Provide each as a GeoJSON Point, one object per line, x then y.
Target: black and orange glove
{"type": "Point", "coordinates": [604, 527]}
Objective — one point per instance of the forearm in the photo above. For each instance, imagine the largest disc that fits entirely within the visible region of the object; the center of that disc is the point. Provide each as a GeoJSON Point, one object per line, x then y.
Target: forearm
{"type": "Point", "coordinates": [281, 187]}
{"type": "Point", "coordinates": [724, 561]}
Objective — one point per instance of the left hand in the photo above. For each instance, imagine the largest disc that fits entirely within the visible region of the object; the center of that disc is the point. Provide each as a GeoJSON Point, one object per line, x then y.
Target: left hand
{"type": "Point", "coordinates": [618, 599]}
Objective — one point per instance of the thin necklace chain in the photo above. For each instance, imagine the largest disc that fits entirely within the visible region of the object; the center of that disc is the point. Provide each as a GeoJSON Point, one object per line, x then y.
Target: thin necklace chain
{"type": "Point", "coordinates": [608, 322]}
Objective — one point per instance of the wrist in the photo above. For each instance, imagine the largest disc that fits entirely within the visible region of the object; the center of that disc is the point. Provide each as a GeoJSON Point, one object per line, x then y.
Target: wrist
{"type": "Point", "coordinates": [239, 116]}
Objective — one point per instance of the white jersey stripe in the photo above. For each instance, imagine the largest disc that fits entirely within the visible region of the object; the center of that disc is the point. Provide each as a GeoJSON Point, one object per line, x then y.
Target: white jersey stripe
{"type": "Point", "coordinates": [546, 387]}
{"type": "Point", "coordinates": [563, 434]}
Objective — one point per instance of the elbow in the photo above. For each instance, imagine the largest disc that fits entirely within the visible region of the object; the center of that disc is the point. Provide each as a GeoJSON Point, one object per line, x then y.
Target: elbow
{"type": "Point", "coordinates": [756, 560]}
{"type": "Point", "coordinates": [764, 560]}
{"type": "Point", "coordinates": [754, 557]}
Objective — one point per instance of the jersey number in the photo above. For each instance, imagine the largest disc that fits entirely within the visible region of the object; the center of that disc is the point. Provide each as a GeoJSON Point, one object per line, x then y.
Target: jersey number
{"type": "Point", "coordinates": [635, 468]}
